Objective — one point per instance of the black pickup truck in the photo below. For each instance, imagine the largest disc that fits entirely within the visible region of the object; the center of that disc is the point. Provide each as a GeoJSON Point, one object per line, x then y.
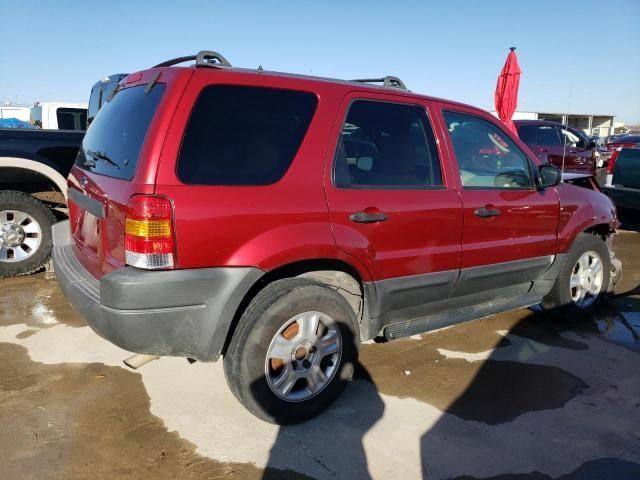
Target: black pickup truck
{"type": "Point", "coordinates": [34, 165]}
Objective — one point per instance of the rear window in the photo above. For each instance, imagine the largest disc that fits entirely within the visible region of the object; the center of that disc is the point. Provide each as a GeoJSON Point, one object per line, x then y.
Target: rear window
{"type": "Point", "coordinates": [627, 168]}
{"type": "Point", "coordinates": [243, 135]}
{"type": "Point", "coordinates": [71, 118]}
{"type": "Point", "coordinates": [112, 145]}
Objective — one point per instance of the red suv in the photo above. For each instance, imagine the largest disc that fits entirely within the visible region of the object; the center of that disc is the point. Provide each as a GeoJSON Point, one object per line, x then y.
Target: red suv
{"type": "Point", "coordinates": [559, 145]}
{"type": "Point", "coordinates": [279, 220]}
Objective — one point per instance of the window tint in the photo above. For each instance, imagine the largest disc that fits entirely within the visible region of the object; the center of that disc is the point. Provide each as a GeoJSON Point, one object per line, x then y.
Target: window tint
{"type": "Point", "coordinates": [113, 143]}
{"type": "Point", "coordinates": [94, 102]}
{"type": "Point", "coordinates": [71, 118]}
{"type": "Point", "coordinates": [548, 135]}
{"type": "Point", "coordinates": [486, 157]}
{"type": "Point", "coordinates": [386, 144]}
{"type": "Point", "coordinates": [243, 135]}
{"type": "Point", "coordinates": [66, 120]}
{"type": "Point", "coordinates": [528, 134]}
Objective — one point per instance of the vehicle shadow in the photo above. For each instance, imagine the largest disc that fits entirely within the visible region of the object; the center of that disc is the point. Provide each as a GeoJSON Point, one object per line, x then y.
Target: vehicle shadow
{"type": "Point", "coordinates": [331, 445]}
{"type": "Point", "coordinates": [530, 377]}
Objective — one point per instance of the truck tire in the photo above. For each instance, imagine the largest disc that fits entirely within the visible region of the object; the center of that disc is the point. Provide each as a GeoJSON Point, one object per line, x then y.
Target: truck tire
{"type": "Point", "coordinates": [583, 280]}
{"type": "Point", "coordinates": [25, 234]}
{"type": "Point", "coordinates": [293, 352]}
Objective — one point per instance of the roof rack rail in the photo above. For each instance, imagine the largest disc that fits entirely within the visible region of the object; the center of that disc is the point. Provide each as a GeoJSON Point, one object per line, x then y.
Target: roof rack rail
{"type": "Point", "coordinates": [388, 81]}
{"type": "Point", "coordinates": [204, 58]}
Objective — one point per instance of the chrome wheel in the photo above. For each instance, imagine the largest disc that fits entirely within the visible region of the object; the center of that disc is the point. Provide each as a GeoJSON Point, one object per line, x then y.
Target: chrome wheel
{"type": "Point", "coordinates": [303, 356]}
{"type": "Point", "coordinates": [20, 236]}
{"type": "Point", "coordinates": [586, 279]}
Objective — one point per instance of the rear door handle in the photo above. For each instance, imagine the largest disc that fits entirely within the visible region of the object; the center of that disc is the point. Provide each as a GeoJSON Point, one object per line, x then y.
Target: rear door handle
{"type": "Point", "coordinates": [487, 212]}
{"type": "Point", "coordinates": [364, 217]}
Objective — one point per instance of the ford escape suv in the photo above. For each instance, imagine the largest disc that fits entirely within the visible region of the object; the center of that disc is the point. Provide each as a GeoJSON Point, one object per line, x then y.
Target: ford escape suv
{"type": "Point", "coordinates": [279, 220]}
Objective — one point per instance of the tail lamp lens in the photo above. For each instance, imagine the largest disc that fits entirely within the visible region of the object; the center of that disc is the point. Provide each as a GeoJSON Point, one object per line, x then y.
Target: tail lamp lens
{"type": "Point", "coordinates": [612, 161]}
{"type": "Point", "coordinates": [148, 239]}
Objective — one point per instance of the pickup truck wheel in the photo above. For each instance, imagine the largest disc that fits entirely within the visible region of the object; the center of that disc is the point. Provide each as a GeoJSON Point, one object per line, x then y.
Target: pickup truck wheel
{"type": "Point", "coordinates": [293, 351]}
{"type": "Point", "coordinates": [583, 280]}
{"type": "Point", "coordinates": [25, 234]}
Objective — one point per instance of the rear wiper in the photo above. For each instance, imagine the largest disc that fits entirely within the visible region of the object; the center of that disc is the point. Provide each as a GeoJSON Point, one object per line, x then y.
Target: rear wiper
{"type": "Point", "coordinates": [102, 156]}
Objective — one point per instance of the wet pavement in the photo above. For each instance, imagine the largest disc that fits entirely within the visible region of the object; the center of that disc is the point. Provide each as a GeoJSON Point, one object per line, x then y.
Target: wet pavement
{"type": "Point", "coordinates": [512, 397]}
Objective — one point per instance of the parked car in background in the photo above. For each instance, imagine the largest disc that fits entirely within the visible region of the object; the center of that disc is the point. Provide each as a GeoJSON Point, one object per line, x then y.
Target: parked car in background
{"type": "Point", "coordinates": [616, 146]}
{"type": "Point", "coordinates": [623, 186]}
{"type": "Point", "coordinates": [611, 138]}
{"type": "Point", "coordinates": [562, 146]}
{"type": "Point", "coordinates": [59, 116]}
{"type": "Point", "coordinates": [278, 220]}
{"type": "Point", "coordinates": [34, 164]}
{"type": "Point", "coordinates": [625, 141]}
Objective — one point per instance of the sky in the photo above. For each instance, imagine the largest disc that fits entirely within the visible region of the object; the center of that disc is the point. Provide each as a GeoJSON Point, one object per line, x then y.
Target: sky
{"type": "Point", "coordinates": [576, 56]}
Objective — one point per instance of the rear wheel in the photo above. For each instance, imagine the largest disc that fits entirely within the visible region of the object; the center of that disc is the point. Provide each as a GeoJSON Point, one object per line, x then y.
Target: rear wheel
{"type": "Point", "coordinates": [293, 352]}
{"type": "Point", "coordinates": [25, 234]}
{"type": "Point", "coordinates": [583, 280]}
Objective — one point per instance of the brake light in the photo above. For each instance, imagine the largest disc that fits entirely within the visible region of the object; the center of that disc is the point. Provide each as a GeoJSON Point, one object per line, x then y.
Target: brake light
{"type": "Point", "coordinates": [612, 160]}
{"type": "Point", "coordinates": [148, 239]}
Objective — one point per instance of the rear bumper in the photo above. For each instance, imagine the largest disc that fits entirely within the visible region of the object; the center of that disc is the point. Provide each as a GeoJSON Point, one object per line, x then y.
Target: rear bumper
{"type": "Point", "coordinates": [174, 312]}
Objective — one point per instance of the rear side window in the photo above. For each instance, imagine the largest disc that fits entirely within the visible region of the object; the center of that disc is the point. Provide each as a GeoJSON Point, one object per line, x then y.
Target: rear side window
{"type": "Point", "coordinates": [71, 118]}
{"type": "Point", "coordinates": [240, 135]}
{"type": "Point", "coordinates": [112, 145]}
{"type": "Point", "coordinates": [527, 134]}
{"type": "Point", "coordinates": [386, 145]}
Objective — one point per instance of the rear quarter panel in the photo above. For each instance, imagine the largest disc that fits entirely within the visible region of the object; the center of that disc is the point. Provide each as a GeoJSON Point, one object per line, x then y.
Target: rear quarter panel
{"type": "Point", "coordinates": [263, 226]}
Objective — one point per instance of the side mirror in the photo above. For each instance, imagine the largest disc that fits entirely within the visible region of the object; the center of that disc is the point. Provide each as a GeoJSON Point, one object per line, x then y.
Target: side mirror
{"type": "Point", "coordinates": [549, 176]}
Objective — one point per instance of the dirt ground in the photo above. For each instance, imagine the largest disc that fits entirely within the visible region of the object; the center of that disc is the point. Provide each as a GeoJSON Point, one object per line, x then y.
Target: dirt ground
{"type": "Point", "coordinates": [514, 396]}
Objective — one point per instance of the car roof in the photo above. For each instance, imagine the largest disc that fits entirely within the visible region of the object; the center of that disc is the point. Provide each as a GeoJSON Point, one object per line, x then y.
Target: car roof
{"type": "Point", "coordinates": [314, 81]}
{"type": "Point", "coordinates": [536, 122]}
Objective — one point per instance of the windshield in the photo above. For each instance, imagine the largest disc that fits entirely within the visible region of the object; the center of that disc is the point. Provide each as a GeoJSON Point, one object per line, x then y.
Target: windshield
{"type": "Point", "coordinates": [113, 143]}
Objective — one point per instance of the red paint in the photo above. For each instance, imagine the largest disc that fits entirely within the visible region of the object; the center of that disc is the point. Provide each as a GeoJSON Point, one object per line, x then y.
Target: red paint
{"type": "Point", "coordinates": [304, 217]}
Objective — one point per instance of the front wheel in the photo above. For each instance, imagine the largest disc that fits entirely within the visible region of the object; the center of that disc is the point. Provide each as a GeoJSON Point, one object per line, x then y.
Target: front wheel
{"type": "Point", "coordinates": [293, 352]}
{"type": "Point", "coordinates": [583, 279]}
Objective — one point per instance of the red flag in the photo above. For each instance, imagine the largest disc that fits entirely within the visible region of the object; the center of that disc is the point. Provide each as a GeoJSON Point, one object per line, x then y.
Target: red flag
{"type": "Point", "coordinates": [507, 90]}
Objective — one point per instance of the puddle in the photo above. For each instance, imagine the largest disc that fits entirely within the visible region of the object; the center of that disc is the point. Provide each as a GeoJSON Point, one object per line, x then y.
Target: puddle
{"type": "Point", "coordinates": [600, 469]}
{"type": "Point", "coordinates": [91, 421]}
{"type": "Point", "coordinates": [36, 301]}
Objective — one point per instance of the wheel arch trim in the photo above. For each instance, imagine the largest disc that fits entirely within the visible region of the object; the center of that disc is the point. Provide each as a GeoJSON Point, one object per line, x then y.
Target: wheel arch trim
{"type": "Point", "coordinates": [53, 175]}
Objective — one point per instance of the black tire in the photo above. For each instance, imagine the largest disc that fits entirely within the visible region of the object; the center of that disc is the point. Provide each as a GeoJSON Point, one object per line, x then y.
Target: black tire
{"type": "Point", "coordinates": [245, 359]}
{"type": "Point", "coordinates": [559, 301]}
{"type": "Point", "coordinates": [42, 215]}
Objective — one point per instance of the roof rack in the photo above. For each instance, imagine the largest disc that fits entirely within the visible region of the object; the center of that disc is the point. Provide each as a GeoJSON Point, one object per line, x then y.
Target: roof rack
{"type": "Point", "coordinates": [204, 58]}
{"type": "Point", "coordinates": [388, 81]}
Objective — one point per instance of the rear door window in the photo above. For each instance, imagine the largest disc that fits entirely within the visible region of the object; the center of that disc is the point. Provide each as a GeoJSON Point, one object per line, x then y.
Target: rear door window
{"type": "Point", "coordinates": [239, 135]}
{"type": "Point", "coordinates": [386, 145]}
{"type": "Point", "coordinates": [112, 145]}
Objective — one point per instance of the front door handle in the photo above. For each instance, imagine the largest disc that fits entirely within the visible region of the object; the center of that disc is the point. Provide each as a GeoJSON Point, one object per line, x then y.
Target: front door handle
{"type": "Point", "coordinates": [364, 217]}
{"type": "Point", "coordinates": [487, 212]}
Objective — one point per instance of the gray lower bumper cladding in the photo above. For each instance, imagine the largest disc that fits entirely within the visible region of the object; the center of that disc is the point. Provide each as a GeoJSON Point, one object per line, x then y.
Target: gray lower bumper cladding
{"type": "Point", "coordinates": [172, 312]}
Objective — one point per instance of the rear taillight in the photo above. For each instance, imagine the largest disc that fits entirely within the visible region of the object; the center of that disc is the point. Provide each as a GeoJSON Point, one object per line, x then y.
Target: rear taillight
{"type": "Point", "coordinates": [148, 239]}
{"type": "Point", "coordinates": [612, 160]}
